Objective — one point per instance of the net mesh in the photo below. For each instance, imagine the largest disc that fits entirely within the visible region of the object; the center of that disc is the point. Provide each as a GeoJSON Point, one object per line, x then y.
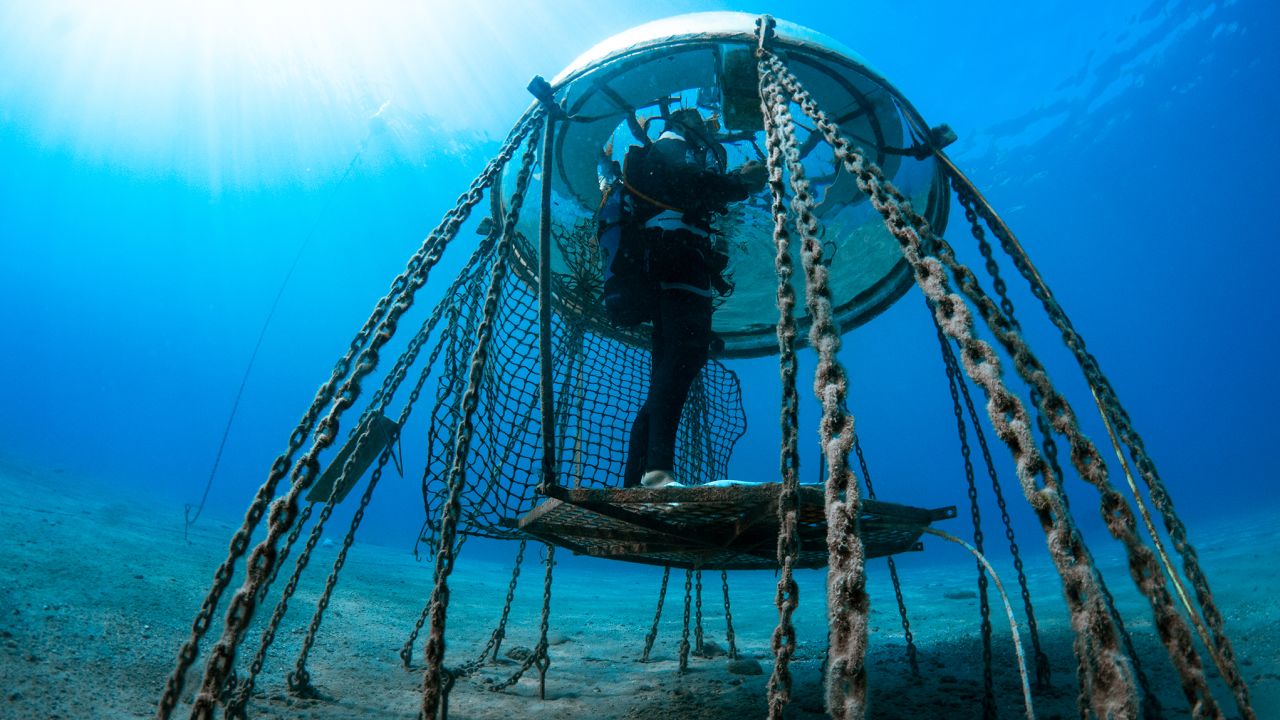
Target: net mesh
{"type": "Point", "coordinates": [600, 383]}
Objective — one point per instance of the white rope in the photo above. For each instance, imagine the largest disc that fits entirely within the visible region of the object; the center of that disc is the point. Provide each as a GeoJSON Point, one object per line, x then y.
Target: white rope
{"type": "Point", "coordinates": [1008, 609]}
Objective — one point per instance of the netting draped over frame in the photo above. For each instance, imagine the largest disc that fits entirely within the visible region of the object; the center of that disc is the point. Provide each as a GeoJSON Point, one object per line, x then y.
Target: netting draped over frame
{"type": "Point", "coordinates": [600, 384]}
{"type": "Point", "coordinates": [531, 395]}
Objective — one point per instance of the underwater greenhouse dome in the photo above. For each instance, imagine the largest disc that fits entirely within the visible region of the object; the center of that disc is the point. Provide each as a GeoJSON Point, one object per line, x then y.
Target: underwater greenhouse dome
{"type": "Point", "coordinates": [708, 62]}
{"type": "Point", "coordinates": [515, 393]}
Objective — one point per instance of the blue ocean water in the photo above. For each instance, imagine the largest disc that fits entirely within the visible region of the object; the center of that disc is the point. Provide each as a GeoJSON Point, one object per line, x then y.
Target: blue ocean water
{"type": "Point", "coordinates": [163, 164]}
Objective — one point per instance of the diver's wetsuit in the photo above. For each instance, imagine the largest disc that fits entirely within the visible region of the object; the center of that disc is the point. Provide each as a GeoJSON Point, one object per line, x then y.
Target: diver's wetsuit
{"type": "Point", "coordinates": [686, 268]}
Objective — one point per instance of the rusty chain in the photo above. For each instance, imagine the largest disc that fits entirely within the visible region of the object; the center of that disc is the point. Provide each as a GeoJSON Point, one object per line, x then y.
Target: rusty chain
{"type": "Point", "coordinates": [299, 680]}
{"type": "Point", "coordinates": [847, 600]}
{"type": "Point", "coordinates": [1171, 627]}
{"type": "Point", "coordinates": [433, 653]}
{"type": "Point", "coordinates": [236, 707]}
{"type": "Point", "coordinates": [1113, 410]}
{"type": "Point", "coordinates": [787, 592]}
{"type": "Point", "coordinates": [684, 632]}
{"type": "Point", "coordinates": [499, 633]}
{"type": "Point", "coordinates": [954, 379]}
{"type": "Point", "coordinates": [284, 511]}
{"type": "Point", "coordinates": [1112, 680]}
{"type": "Point", "coordinates": [912, 659]}
{"type": "Point", "coordinates": [728, 617]}
{"type": "Point", "coordinates": [657, 616]}
{"type": "Point", "coordinates": [540, 656]}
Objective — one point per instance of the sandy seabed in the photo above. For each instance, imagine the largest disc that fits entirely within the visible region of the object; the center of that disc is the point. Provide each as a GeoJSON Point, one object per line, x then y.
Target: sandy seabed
{"type": "Point", "coordinates": [98, 591]}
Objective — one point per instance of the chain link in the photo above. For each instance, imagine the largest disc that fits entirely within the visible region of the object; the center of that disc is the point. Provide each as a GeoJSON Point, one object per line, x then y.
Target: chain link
{"type": "Point", "coordinates": [787, 593]}
{"type": "Point", "coordinates": [433, 653]}
{"type": "Point", "coordinates": [299, 682]}
{"type": "Point", "coordinates": [912, 655]}
{"type": "Point", "coordinates": [284, 511]}
{"type": "Point", "coordinates": [728, 616]}
{"type": "Point", "coordinates": [1151, 703]}
{"type": "Point", "coordinates": [539, 657]}
{"type": "Point", "coordinates": [1113, 683]}
{"type": "Point", "coordinates": [847, 600]}
{"type": "Point", "coordinates": [953, 381]}
{"type": "Point", "coordinates": [684, 632]}
{"type": "Point", "coordinates": [657, 616]}
{"type": "Point", "coordinates": [697, 635]}
{"type": "Point", "coordinates": [1111, 407]}
{"type": "Point", "coordinates": [1089, 464]}
{"type": "Point", "coordinates": [1050, 447]}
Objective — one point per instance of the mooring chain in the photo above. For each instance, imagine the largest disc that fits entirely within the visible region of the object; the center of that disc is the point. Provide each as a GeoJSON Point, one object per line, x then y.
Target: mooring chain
{"type": "Point", "coordinates": [728, 617]}
{"type": "Point", "coordinates": [954, 379]}
{"type": "Point", "coordinates": [543, 658]}
{"type": "Point", "coordinates": [1120, 520]}
{"type": "Point", "coordinates": [289, 542]}
{"type": "Point", "coordinates": [494, 645]}
{"type": "Point", "coordinates": [1115, 694]}
{"type": "Point", "coordinates": [1043, 673]}
{"type": "Point", "coordinates": [697, 633]}
{"type": "Point", "coordinates": [684, 632]}
{"type": "Point", "coordinates": [433, 653]}
{"type": "Point", "coordinates": [989, 262]}
{"type": "Point", "coordinates": [299, 680]}
{"type": "Point", "coordinates": [382, 397]}
{"type": "Point", "coordinates": [787, 593]}
{"type": "Point", "coordinates": [657, 616]}
{"type": "Point", "coordinates": [406, 652]}
{"type": "Point", "coordinates": [427, 534]}
{"type": "Point", "coordinates": [500, 632]}
{"type": "Point", "coordinates": [222, 579]}
{"type": "Point", "coordinates": [1151, 704]}
{"type": "Point", "coordinates": [1045, 397]}
{"type": "Point", "coordinates": [1113, 409]}
{"type": "Point", "coordinates": [847, 600]}
{"type": "Point", "coordinates": [1171, 627]}
{"type": "Point", "coordinates": [236, 707]}
{"type": "Point", "coordinates": [966, 200]}
{"type": "Point", "coordinates": [285, 509]}
{"type": "Point", "coordinates": [280, 468]}
{"type": "Point", "coordinates": [912, 659]}
{"type": "Point", "coordinates": [461, 333]}
{"type": "Point", "coordinates": [540, 656]}
{"type": "Point", "coordinates": [233, 689]}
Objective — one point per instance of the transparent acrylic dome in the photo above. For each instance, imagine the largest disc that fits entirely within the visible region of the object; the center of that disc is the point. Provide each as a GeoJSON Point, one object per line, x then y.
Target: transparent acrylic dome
{"type": "Point", "coordinates": [706, 60]}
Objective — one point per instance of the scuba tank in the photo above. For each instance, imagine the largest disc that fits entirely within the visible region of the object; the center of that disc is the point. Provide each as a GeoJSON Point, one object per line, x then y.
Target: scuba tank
{"type": "Point", "coordinates": [623, 251]}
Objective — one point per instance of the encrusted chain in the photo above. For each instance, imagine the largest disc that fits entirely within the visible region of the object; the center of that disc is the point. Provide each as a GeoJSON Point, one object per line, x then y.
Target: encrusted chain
{"type": "Point", "coordinates": [847, 600]}
{"type": "Point", "coordinates": [954, 379]}
{"type": "Point", "coordinates": [1113, 410]}
{"type": "Point", "coordinates": [1114, 693]}
{"type": "Point", "coordinates": [433, 653]}
{"type": "Point", "coordinates": [787, 594]}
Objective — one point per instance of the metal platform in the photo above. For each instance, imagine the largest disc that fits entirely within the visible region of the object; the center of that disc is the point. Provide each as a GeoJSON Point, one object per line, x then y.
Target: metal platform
{"type": "Point", "coordinates": [713, 528]}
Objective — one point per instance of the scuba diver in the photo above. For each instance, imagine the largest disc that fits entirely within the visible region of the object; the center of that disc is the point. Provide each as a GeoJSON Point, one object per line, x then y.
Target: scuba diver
{"type": "Point", "coordinates": [676, 186]}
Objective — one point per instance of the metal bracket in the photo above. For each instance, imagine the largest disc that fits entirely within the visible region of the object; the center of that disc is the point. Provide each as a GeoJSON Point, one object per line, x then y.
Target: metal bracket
{"type": "Point", "coordinates": [541, 89]}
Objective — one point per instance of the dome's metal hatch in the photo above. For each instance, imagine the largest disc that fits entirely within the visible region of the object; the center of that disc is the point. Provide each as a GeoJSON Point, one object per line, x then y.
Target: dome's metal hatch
{"type": "Point", "coordinates": [707, 60]}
